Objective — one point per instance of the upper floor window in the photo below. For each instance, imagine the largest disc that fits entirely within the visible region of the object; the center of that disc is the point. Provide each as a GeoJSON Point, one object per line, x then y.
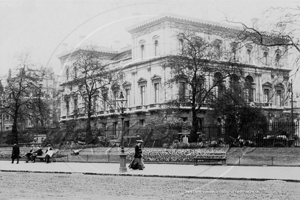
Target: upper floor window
{"type": "Point", "coordinates": [104, 100]}
{"type": "Point", "coordinates": [266, 57]}
{"type": "Point", "coordinates": [218, 82]}
{"type": "Point", "coordinates": [217, 47]}
{"type": "Point", "coordinates": [156, 92]}
{"type": "Point", "coordinates": [278, 100]}
{"type": "Point", "coordinates": [182, 91]}
{"type": "Point", "coordinates": [127, 96]}
{"type": "Point", "coordinates": [155, 48]}
{"type": "Point", "coordinates": [67, 73]}
{"type": "Point", "coordinates": [142, 93]}
{"type": "Point", "coordinates": [234, 46]}
{"type": "Point", "coordinates": [180, 41]}
{"type": "Point", "coordinates": [67, 107]}
{"type": "Point", "coordinates": [266, 95]}
{"type": "Point", "coordinates": [142, 51]}
{"type": "Point", "coordinates": [142, 85]}
{"type": "Point", "coordinates": [249, 50]}
{"type": "Point", "coordinates": [277, 57]}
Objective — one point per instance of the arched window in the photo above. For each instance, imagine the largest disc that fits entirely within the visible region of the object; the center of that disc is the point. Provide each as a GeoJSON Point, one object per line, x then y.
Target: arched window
{"type": "Point", "coordinates": [234, 83]}
{"type": "Point", "coordinates": [249, 89]}
{"type": "Point", "coordinates": [155, 48]}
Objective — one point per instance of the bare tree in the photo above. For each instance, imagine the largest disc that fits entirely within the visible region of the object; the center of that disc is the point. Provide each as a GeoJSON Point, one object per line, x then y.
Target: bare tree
{"type": "Point", "coordinates": [198, 67]}
{"type": "Point", "coordinates": [20, 93]}
{"type": "Point", "coordinates": [90, 79]}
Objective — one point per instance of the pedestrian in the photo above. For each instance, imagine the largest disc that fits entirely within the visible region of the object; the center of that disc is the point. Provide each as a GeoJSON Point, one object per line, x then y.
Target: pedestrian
{"type": "Point", "coordinates": [137, 162]}
{"type": "Point", "coordinates": [15, 153]}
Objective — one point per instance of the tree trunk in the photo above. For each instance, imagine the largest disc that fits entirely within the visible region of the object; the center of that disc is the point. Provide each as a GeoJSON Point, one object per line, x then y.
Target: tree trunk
{"type": "Point", "coordinates": [15, 129]}
{"type": "Point", "coordinates": [88, 130]}
{"type": "Point", "coordinates": [193, 134]}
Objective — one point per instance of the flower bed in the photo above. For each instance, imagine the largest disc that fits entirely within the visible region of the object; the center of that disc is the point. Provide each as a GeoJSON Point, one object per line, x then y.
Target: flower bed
{"type": "Point", "coordinates": [173, 155]}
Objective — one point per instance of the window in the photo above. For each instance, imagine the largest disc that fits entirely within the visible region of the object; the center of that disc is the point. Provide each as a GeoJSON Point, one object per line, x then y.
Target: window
{"type": "Point", "coordinates": [142, 122]}
{"type": "Point", "coordinates": [7, 117]}
{"type": "Point", "coordinates": [7, 127]}
{"type": "Point", "coordinates": [218, 81]}
{"type": "Point", "coordinates": [156, 92]}
{"type": "Point", "coordinates": [155, 48]}
{"type": "Point", "coordinates": [142, 51]}
{"type": "Point", "coordinates": [278, 100]}
{"type": "Point", "coordinates": [249, 89]}
{"type": "Point", "coordinates": [115, 126]}
{"type": "Point", "coordinates": [127, 94]}
{"type": "Point", "coordinates": [75, 105]}
{"type": "Point", "coordinates": [95, 103]}
{"type": "Point", "coordinates": [249, 55]}
{"type": "Point", "coordinates": [266, 58]}
{"type": "Point", "coordinates": [234, 83]}
{"type": "Point", "coordinates": [233, 50]}
{"type": "Point", "coordinates": [142, 95]}
{"type": "Point", "coordinates": [180, 44]}
{"type": "Point", "coordinates": [104, 95]}
{"type": "Point", "coordinates": [266, 95]}
{"type": "Point", "coordinates": [182, 89]}
{"type": "Point", "coordinates": [67, 107]}
{"type": "Point", "coordinates": [277, 57]}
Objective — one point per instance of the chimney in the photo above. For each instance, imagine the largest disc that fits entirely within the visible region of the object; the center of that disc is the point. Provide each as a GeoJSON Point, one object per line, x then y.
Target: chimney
{"type": "Point", "coordinates": [64, 47]}
{"type": "Point", "coordinates": [116, 45]}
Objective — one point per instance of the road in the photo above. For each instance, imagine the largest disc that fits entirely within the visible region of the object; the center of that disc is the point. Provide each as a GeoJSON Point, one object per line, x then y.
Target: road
{"type": "Point", "coordinates": [52, 186]}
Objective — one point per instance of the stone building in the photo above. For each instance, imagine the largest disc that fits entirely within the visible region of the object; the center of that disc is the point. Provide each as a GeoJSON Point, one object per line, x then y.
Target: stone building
{"type": "Point", "coordinates": [266, 70]}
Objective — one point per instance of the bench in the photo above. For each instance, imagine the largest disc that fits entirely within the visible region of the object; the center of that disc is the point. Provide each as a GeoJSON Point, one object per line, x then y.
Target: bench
{"type": "Point", "coordinates": [210, 156]}
{"type": "Point", "coordinates": [52, 158]}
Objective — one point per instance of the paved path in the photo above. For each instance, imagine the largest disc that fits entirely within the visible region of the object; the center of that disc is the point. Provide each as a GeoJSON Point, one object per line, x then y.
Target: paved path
{"type": "Point", "coordinates": [161, 170]}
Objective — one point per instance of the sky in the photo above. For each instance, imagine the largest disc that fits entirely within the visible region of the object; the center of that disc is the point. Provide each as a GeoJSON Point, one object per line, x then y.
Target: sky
{"type": "Point", "coordinates": [40, 27]}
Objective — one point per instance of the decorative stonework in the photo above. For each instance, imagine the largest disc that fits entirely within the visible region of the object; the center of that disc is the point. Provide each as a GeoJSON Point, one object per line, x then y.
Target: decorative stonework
{"type": "Point", "coordinates": [279, 86]}
{"type": "Point", "coordinates": [156, 77]}
{"type": "Point", "coordinates": [142, 81]}
{"type": "Point", "coordinates": [127, 85]}
{"type": "Point", "coordinates": [267, 85]}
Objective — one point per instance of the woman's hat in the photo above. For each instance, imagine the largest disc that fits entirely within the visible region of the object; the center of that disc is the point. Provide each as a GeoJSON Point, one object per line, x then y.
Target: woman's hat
{"type": "Point", "coordinates": [139, 141]}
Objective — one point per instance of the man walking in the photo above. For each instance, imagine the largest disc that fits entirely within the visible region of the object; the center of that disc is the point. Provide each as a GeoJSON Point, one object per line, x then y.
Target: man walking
{"type": "Point", "coordinates": [15, 153]}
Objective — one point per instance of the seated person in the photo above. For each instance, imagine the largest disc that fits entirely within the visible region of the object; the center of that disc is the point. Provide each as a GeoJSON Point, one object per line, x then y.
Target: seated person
{"type": "Point", "coordinates": [29, 155]}
{"type": "Point", "coordinates": [49, 154]}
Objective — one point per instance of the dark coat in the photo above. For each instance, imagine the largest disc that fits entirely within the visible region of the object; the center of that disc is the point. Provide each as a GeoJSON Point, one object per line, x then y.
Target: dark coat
{"type": "Point", "coordinates": [15, 151]}
{"type": "Point", "coordinates": [138, 151]}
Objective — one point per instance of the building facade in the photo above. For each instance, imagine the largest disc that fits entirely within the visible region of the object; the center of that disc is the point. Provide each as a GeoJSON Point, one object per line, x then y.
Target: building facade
{"type": "Point", "coordinates": [266, 70]}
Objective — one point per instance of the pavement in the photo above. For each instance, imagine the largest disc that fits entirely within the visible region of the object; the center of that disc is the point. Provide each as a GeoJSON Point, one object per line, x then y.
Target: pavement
{"type": "Point", "coordinates": [257, 173]}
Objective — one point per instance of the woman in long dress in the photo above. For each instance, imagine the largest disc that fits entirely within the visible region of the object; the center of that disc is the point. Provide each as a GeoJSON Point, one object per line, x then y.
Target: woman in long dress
{"type": "Point", "coordinates": [137, 162]}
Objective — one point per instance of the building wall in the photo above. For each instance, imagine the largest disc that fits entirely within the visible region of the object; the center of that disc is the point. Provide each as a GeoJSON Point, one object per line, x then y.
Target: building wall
{"type": "Point", "coordinates": [145, 69]}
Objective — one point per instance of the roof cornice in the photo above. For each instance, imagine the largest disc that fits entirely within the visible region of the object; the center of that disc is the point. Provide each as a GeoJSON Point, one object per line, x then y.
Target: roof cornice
{"type": "Point", "coordinates": [179, 19]}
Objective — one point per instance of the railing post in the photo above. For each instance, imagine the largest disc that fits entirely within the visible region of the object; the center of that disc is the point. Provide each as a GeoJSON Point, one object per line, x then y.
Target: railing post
{"type": "Point", "coordinates": [239, 160]}
{"type": "Point", "coordinates": [87, 158]}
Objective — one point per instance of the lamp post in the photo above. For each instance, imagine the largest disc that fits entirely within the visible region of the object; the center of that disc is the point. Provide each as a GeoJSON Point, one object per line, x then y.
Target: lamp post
{"type": "Point", "coordinates": [123, 167]}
